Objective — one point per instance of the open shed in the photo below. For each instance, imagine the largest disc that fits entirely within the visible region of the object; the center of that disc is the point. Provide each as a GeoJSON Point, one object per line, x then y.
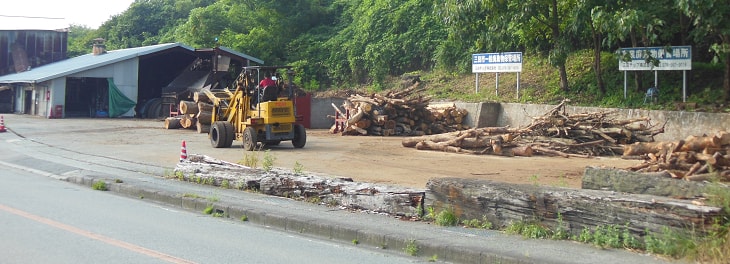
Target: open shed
{"type": "Point", "coordinates": [116, 83]}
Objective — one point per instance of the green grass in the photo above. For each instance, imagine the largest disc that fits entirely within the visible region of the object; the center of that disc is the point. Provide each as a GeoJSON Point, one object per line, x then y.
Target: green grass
{"type": "Point", "coordinates": [250, 159]}
{"type": "Point", "coordinates": [99, 186]}
{"type": "Point", "coordinates": [208, 210]}
{"type": "Point", "coordinates": [710, 246]}
{"type": "Point", "coordinates": [529, 229]}
{"type": "Point", "coordinates": [298, 168]}
{"type": "Point", "coordinates": [476, 223]}
{"type": "Point", "coordinates": [268, 162]}
{"type": "Point", "coordinates": [411, 248]}
{"type": "Point", "coordinates": [447, 217]}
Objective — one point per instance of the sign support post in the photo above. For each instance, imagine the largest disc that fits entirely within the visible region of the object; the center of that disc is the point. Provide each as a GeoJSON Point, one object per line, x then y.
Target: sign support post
{"type": "Point", "coordinates": [476, 78]}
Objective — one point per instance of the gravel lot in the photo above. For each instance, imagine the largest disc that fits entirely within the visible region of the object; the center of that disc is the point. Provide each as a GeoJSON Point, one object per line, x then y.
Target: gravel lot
{"type": "Point", "coordinates": [367, 159]}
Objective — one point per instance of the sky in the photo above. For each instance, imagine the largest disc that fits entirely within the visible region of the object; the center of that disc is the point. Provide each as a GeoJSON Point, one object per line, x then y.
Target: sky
{"type": "Point", "coordinates": [58, 14]}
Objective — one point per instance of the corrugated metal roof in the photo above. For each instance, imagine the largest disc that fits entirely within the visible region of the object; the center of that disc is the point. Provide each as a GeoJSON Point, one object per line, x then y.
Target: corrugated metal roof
{"type": "Point", "coordinates": [84, 62]}
{"type": "Point", "coordinates": [241, 55]}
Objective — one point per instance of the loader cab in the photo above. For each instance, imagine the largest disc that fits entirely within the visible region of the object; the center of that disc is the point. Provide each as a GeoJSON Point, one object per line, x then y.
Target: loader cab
{"type": "Point", "coordinates": [274, 92]}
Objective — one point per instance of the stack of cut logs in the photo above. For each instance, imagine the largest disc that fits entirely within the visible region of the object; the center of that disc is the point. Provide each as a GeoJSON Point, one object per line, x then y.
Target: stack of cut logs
{"type": "Point", "coordinates": [555, 133]}
{"type": "Point", "coordinates": [696, 158]}
{"type": "Point", "coordinates": [192, 114]}
{"type": "Point", "coordinates": [402, 113]}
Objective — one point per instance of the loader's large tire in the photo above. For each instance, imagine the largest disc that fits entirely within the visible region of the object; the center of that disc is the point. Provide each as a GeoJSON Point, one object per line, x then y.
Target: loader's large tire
{"type": "Point", "coordinates": [250, 138]}
{"type": "Point", "coordinates": [221, 134]}
{"type": "Point", "coordinates": [300, 136]}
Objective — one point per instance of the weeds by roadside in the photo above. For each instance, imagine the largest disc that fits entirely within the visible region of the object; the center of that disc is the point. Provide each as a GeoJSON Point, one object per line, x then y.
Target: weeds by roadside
{"type": "Point", "coordinates": [99, 186]}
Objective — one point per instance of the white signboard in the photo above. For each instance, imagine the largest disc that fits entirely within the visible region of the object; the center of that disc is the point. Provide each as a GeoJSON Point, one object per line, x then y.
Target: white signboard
{"type": "Point", "coordinates": [675, 58]}
{"type": "Point", "coordinates": [496, 62]}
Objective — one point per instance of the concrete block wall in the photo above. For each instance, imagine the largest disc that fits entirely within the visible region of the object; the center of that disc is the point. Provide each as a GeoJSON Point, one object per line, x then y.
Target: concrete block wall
{"type": "Point", "coordinates": [678, 124]}
{"type": "Point", "coordinates": [321, 108]}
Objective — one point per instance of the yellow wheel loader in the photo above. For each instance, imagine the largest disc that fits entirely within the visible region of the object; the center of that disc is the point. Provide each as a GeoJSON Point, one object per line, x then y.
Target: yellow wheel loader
{"type": "Point", "coordinates": [254, 114]}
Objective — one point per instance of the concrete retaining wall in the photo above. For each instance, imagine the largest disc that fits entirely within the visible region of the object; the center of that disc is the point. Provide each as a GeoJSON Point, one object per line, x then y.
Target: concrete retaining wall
{"type": "Point", "coordinates": [321, 108]}
{"type": "Point", "coordinates": [679, 124]}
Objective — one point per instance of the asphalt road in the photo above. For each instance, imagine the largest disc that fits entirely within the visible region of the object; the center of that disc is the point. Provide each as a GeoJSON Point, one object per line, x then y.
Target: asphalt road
{"type": "Point", "coordinates": [50, 221]}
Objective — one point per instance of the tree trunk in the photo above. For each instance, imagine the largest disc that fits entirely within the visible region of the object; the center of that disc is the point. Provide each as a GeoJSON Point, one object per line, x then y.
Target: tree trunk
{"type": "Point", "coordinates": [597, 60]}
{"type": "Point", "coordinates": [726, 79]}
{"type": "Point", "coordinates": [637, 74]}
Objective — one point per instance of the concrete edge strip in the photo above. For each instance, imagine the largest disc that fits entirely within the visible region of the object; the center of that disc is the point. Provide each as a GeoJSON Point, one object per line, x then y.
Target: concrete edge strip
{"type": "Point", "coordinates": [34, 171]}
{"type": "Point", "coordinates": [287, 223]}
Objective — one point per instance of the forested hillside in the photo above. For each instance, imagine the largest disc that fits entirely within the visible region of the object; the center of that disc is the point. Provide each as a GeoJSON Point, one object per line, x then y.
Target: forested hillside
{"type": "Point", "coordinates": [356, 43]}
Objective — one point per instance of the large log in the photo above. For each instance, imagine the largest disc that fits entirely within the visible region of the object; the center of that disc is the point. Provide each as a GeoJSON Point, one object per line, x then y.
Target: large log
{"type": "Point", "coordinates": [202, 128]}
{"type": "Point", "coordinates": [187, 121]}
{"type": "Point", "coordinates": [188, 107]}
{"type": "Point", "coordinates": [205, 118]}
{"type": "Point", "coordinates": [200, 97]}
{"type": "Point", "coordinates": [172, 123]}
{"type": "Point", "coordinates": [695, 143]}
{"type": "Point", "coordinates": [504, 203]}
{"type": "Point", "coordinates": [205, 107]}
{"type": "Point", "coordinates": [642, 148]}
{"type": "Point", "coordinates": [479, 132]}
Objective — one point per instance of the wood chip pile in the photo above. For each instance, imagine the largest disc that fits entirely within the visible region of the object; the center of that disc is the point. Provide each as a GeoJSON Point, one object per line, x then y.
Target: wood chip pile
{"type": "Point", "coordinates": [402, 113]}
{"type": "Point", "coordinates": [695, 158]}
{"type": "Point", "coordinates": [556, 133]}
{"type": "Point", "coordinates": [194, 114]}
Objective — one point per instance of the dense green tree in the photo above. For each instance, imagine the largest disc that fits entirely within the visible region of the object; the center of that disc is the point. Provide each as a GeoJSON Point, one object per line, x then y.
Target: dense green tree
{"type": "Point", "coordinates": [80, 39]}
{"type": "Point", "coordinates": [343, 42]}
{"type": "Point", "coordinates": [146, 22]}
{"type": "Point", "coordinates": [503, 25]}
{"type": "Point", "coordinates": [712, 23]}
{"type": "Point", "coordinates": [474, 26]}
{"type": "Point", "coordinates": [385, 37]}
{"type": "Point", "coordinates": [542, 23]}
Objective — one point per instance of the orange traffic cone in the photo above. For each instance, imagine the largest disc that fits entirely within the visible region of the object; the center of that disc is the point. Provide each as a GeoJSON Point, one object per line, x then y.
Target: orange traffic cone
{"type": "Point", "coordinates": [183, 152]}
{"type": "Point", "coordinates": [2, 124]}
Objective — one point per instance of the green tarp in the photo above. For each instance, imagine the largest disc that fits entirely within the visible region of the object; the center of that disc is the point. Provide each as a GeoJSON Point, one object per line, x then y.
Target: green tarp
{"type": "Point", "coordinates": [119, 104]}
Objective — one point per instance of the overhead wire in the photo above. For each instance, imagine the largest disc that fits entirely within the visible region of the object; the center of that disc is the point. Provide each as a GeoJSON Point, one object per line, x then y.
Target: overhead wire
{"type": "Point", "coordinates": [38, 17]}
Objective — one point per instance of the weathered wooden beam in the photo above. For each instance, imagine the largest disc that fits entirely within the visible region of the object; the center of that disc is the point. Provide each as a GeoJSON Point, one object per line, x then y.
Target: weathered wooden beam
{"type": "Point", "coordinates": [503, 203]}
{"type": "Point", "coordinates": [378, 198]}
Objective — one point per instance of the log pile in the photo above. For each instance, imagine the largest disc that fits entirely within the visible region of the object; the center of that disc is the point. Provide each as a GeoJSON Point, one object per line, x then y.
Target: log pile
{"type": "Point", "coordinates": [195, 114]}
{"type": "Point", "coordinates": [555, 133]}
{"type": "Point", "coordinates": [401, 113]}
{"type": "Point", "coordinates": [695, 158]}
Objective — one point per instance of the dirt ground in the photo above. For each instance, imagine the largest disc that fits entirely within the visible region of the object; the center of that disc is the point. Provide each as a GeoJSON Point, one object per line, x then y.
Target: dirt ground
{"type": "Point", "coordinates": [362, 158]}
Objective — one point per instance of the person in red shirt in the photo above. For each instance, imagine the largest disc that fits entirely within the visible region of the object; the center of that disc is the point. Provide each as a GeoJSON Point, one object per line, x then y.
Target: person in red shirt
{"type": "Point", "coordinates": [267, 81]}
{"type": "Point", "coordinates": [268, 87]}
